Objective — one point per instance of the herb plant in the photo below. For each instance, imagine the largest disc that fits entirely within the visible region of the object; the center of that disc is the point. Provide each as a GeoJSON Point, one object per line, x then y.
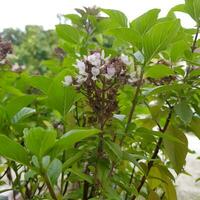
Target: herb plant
{"type": "Point", "coordinates": [108, 117]}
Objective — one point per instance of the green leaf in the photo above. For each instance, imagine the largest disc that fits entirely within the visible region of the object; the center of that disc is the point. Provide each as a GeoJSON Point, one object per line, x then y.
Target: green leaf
{"type": "Point", "coordinates": [71, 137]}
{"type": "Point", "coordinates": [143, 23]}
{"type": "Point", "coordinates": [143, 131]}
{"type": "Point", "coordinates": [192, 7]}
{"type": "Point", "coordinates": [194, 126]}
{"type": "Point", "coordinates": [178, 50]}
{"type": "Point", "coordinates": [39, 141]}
{"type": "Point", "coordinates": [153, 196]}
{"type": "Point", "coordinates": [75, 19]}
{"type": "Point", "coordinates": [54, 170]}
{"type": "Point", "coordinates": [53, 65]}
{"type": "Point", "coordinates": [59, 97]}
{"type": "Point", "coordinates": [158, 71]}
{"type": "Point", "coordinates": [22, 114]}
{"type": "Point", "coordinates": [40, 82]}
{"type": "Point", "coordinates": [159, 37]}
{"type": "Point", "coordinates": [13, 151]}
{"type": "Point", "coordinates": [127, 35]}
{"type": "Point", "coordinates": [16, 104]}
{"type": "Point", "coordinates": [117, 16]}
{"type": "Point", "coordinates": [169, 189]}
{"type": "Point", "coordinates": [175, 151]}
{"type": "Point", "coordinates": [103, 170]}
{"type": "Point", "coordinates": [180, 8]}
{"type": "Point", "coordinates": [81, 175]}
{"type": "Point", "coordinates": [114, 148]}
{"type": "Point", "coordinates": [68, 33]}
{"type": "Point", "coordinates": [167, 89]}
{"type": "Point", "coordinates": [184, 111]}
{"type": "Point", "coordinates": [158, 177]}
{"type": "Point", "coordinates": [194, 73]}
{"type": "Point", "coordinates": [72, 160]}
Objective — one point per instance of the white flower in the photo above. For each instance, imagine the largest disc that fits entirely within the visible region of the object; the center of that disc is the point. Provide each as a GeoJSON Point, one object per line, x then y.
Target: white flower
{"type": "Point", "coordinates": [15, 67]}
{"type": "Point", "coordinates": [95, 59]}
{"type": "Point", "coordinates": [110, 72]}
{"type": "Point", "coordinates": [133, 78]}
{"type": "Point", "coordinates": [125, 59]}
{"type": "Point", "coordinates": [95, 72]}
{"type": "Point", "coordinates": [80, 65]}
{"type": "Point", "coordinates": [67, 81]}
{"type": "Point", "coordinates": [81, 79]}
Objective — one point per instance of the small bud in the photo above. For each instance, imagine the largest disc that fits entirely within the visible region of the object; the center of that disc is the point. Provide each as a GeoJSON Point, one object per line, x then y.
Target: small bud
{"type": "Point", "coordinates": [80, 65]}
{"type": "Point", "coordinates": [125, 59]}
{"type": "Point", "coordinates": [110, 72]}
{"type": "Point", "coordinates": [67, 81]}
{"type": "Point", "coordinates": [80, 79]}
{"type": "Point", "coordinates": [95, 59]}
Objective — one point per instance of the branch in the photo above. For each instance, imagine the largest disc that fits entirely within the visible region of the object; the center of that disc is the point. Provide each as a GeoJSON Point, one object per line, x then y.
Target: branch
{"type": "Point", "coordinates": [195, 39]}
{"type": "Point", "coordinates": [193, 48]}
{"type": "Point", "coordinates": [155, 153]}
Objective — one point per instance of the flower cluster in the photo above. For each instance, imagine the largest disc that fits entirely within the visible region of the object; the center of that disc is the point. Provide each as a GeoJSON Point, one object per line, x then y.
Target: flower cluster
{"type": "Point", "coordinates": [99, 78]}
{"type": "Point", "coordinates": [5, 48]}
{"type": "Point", "coordinates": [95, 66]}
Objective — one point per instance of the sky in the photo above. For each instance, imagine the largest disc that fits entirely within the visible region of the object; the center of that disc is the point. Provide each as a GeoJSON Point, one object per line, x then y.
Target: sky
{"type": "Point", "coordinates": [18, 13]}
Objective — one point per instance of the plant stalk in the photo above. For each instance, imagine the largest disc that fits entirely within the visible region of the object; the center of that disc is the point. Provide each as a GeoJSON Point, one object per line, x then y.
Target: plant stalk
{"type": "Point", "coordinates": [155, 154]}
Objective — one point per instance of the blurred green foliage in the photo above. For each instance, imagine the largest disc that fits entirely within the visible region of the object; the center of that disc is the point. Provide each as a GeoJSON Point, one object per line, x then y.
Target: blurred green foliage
{"type": "Point", "coordinates": [32, 45]}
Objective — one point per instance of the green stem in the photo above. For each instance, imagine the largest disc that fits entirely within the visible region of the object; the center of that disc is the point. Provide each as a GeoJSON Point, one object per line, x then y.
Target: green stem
{"type": "Point", "coordinates": [64, 153]}
{"type": "Point", "coordinates": [49, 186]}
{"type": "Point", "coordinates": [18, 181]}
{"type": "Point", "coordinates": [47, 181]}
{"type": "Point", "coordinates": [134, 103]}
